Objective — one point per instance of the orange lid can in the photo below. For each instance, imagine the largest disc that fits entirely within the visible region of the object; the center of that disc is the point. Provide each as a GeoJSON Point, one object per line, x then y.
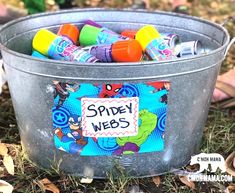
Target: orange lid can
{"type": "Point", "coordinates": [127, 51]}
{"type": "Point", "coordinates": [70, 31]}
{"type": "Point", "coordinates": [129, 33]}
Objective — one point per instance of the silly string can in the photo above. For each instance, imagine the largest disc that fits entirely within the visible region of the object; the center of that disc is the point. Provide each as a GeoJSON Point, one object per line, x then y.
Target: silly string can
{"type": "Point", "coordinates": [158, 49]}
{"type": "Point", "coordinates": [70, 32]}
{"type": "Point", "coordinates": [121, 51]}
{"type": "Point", "coordinates": [171, 39]}
{"type": "Point", "coordinates": [93, 23]}
{"type": "Point", "coordinates": [104, 52]}
{"type": "Point", "coordinates": [38, 55]}
{"type": "Point", "coordinates": [153, 44]}
{"type": "Point", "coordinates": [91, 35]}
{"type": "Point", "coordinates": [189, 48]}
{"type": "Point", "coordinates": [58, 48]}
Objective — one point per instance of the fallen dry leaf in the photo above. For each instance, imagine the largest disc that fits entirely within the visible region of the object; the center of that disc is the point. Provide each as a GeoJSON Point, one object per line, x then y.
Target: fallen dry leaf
{"type": "Point", "coordinates": [3, 149]}
{"type": "Point", "coordinates": [188, 183]}
{"type": "Point", "coordinates": [192, 168]}
{"type": "Point", "coordinates": [231, 188]}
{"type": "Point", "coordinates": [5, 187]}
{"type": "Point", "coordinates": [229, 164]}
{"type": "Point", "coordinates": [214, 5]}
{"type": "Point", "coordinates": [157, 180]}
{"type": "Point", "coordinates": [2, 169]}
{"type": "Point", "coordinates": [9, 164]}
{"type": "Point", "coordinates": [46, 184]}
{"type": "Point", "coordinates": [86, 180]}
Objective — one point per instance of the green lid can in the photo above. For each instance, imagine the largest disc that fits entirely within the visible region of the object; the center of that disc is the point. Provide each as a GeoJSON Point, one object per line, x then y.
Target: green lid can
{"type": "Point", "coordinates": [88, 35]}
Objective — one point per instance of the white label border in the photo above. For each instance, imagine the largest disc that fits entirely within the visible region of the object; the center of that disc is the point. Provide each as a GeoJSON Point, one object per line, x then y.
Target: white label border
{"type": "Point", "coordinates": [134, 131]}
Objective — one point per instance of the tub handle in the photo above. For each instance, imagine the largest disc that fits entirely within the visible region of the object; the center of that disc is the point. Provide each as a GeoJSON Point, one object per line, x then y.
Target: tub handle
{"type": "Point", "coordinates": [2, 75]}
{"type": "Point", "coordinates": [230, 18]}
{"type": "Point", "coordinates": [229, 45]}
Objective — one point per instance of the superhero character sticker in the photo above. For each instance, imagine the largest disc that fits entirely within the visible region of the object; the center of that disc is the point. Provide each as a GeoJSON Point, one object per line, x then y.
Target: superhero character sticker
{"type": "Point", "coordinates": [109, 119]}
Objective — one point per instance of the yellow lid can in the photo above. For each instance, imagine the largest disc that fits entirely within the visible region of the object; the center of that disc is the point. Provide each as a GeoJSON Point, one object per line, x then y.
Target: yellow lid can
{"type": "Point", "coordinates": [146, 34]}
{"type": "Point", "coordinates": [42, 41]}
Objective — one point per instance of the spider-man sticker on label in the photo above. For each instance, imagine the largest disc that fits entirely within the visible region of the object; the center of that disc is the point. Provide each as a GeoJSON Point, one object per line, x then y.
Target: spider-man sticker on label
{"type": "Point", "coordinates": [109, 119]}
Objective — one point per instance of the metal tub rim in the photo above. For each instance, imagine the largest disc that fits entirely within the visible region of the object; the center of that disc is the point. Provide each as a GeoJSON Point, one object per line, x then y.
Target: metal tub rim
{"type": "Point", "coordinates": [117, 64]}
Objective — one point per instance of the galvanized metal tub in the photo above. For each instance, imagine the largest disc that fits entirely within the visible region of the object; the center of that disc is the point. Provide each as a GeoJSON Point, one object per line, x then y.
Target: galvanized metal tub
{"type": "Point", "coordinates": [192, 82]}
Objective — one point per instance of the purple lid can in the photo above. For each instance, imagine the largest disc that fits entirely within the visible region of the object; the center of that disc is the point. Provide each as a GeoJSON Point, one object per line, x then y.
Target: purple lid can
{"type": "Point", "coordinates": [101, 52]}
{"type": "Point", "coordinates": [92, 23]}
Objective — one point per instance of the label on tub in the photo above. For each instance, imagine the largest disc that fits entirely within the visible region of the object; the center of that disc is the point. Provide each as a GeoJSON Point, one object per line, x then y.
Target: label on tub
{"type": "Point", "coordinates": [109, 119]}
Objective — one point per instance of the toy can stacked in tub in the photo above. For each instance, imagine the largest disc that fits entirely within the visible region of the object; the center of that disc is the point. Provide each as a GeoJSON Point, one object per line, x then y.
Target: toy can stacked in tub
{"type": "Point", "coordinates": [129, 99]}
